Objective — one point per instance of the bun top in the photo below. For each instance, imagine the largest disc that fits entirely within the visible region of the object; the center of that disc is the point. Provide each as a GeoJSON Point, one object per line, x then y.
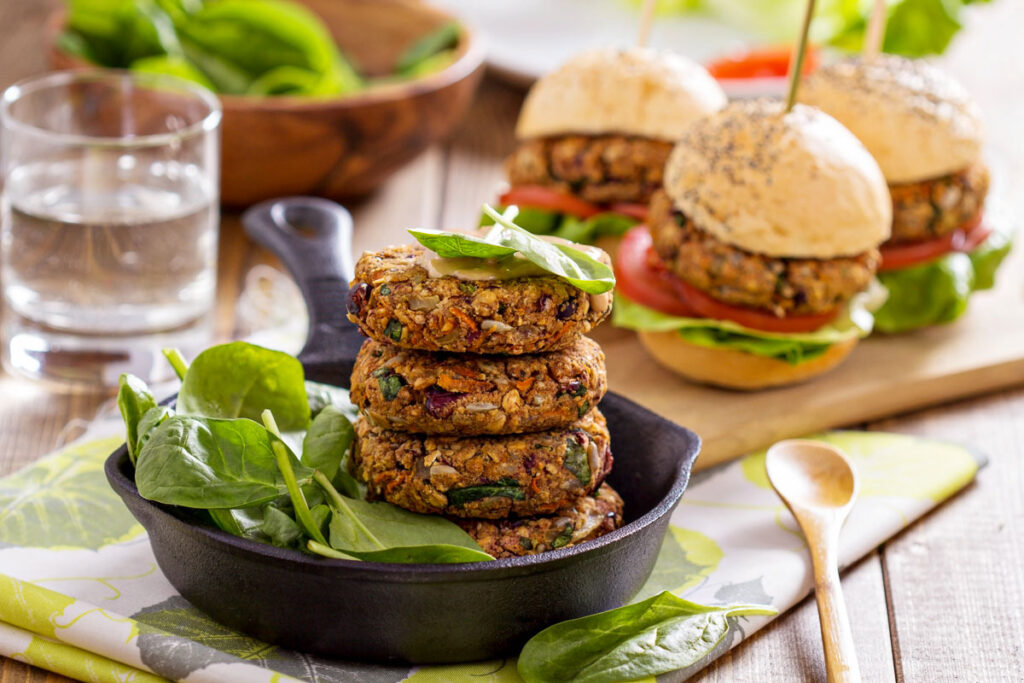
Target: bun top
{"type": "Point", "coordinates": [793, 184]}
{"type": "Point", "coordinates": [917, 122]}
{"type": "Point", "coordinates": [636, 91]}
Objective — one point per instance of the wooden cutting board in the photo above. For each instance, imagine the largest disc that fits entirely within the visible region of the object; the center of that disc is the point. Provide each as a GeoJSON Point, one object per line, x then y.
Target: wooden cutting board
{"type": "Point", "coordinates": [885, 375]}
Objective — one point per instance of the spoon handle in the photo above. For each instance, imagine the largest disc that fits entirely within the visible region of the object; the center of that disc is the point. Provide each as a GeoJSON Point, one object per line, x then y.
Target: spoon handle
{"type": "Point", "coordinates": [836, 635]}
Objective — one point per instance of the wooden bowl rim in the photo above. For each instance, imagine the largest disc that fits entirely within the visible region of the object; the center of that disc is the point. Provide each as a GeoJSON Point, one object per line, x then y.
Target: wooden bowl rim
{"type": "Point", "coordinates": [469, 59]}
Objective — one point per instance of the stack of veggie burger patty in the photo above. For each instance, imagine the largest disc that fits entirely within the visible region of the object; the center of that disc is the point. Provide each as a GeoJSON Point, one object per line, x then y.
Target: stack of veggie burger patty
{"type": "Point", "coordinates": [477, 392]}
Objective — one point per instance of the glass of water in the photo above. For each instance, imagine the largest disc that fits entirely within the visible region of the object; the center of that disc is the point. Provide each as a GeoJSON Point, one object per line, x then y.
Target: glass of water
{"type": "Point", "coordinates": [110, 221]}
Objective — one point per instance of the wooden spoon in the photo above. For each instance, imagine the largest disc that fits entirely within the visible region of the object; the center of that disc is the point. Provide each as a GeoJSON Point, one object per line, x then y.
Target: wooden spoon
{"type": "Point", "coordinates": [818, 485]}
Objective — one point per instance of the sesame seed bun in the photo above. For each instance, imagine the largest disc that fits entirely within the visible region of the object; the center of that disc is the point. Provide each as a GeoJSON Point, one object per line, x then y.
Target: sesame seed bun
{"type": "Point", "coordinates": [793, 184]}
{"type": "Point", "coordinates": [917, 122]}
{"type": "Point", "coordinates": [638, 91]}
{"type": "Point", "coordinates": [732, 369]}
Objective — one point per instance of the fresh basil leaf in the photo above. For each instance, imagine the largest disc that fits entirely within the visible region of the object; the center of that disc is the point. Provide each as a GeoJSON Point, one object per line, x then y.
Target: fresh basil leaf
{"type": "Point", "coordinates": [242, 380]}
{"type": "Point", "coordinates": [133, 400]}
{"type": "Point", "coordinates": [458, 245]}
{"type": "Point", "coordinates": [444, 38]}
{"type": "Point", "coordinates": [327, 443]}
{"type": "Point", "coordinates": [658, 635]}
{"type": "Point", "coordinates": [503, 488]}
{"type": "Point", "coordinates": [210, 463]}
{"type": "Point", "coordinates": [388, 533]}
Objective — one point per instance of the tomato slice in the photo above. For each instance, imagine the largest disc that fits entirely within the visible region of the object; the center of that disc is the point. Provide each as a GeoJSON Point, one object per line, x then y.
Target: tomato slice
{"type": "Point", "coordinates": [539, 197]}
{"type": "Point", "coordinates": [965, 238]}
{"type": "Point", "coordinates": [764, 62]}
{"type": "Point", "coordinates": [709, 307]}
{"type": "Point", "coordinates": [637, 211]}
{"type": "Point", "coordinates": [636, 279]}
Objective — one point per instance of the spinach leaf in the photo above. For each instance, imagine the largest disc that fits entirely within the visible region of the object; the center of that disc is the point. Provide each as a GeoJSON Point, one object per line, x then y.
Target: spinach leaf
{"type": "Point", "coordinates": [210, 463]}
{"type": "Point", "coordinates": [444, 38]}
{"type": "Point", "coordinates": [284, 458]}
{"type": "Point", "coordinates": [243, 522]}
{"type": "Point", "coordinates": [327, 443]}
{"type": "Point", "coordinates": [322, 395]}
{"type": "Point", "coordinates": [152, 419]}
{"type": "Point", "coordinates": [133, 401]}
{"type": "Point", "coordinates": [279, 528]}
{"type": "Point", "coordinates": [658, 635]}
{"type": "Point", "coordinates": [504, 488]}
{"type": "Point", "coordinates": [386, 533]}
{"type": "Point", "coordinates": [243, 380]}
{"type": "Point", "coordinates": [506, 239]}
{"type": "Point", "coordinates": [576, 460]}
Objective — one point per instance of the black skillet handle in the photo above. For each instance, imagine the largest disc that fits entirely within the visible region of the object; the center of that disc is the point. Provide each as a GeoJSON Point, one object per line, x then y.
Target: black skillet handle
{"type": "Point", "coordinates": [313, 238]}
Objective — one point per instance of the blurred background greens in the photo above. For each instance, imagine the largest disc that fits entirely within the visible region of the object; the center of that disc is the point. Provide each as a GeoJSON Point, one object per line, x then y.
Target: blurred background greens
{"type": "Point", "coordinates": [236, 47]}
{"type": "Point", "coordinates": [915, 28]}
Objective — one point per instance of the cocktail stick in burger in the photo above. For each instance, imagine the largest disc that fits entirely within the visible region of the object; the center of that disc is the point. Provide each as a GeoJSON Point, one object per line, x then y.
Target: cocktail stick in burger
{"type": "Point", "coordinates": [594, 136]}
{"type": "Point", "coordinates": [765, 246]}
{"type": "Point", "coordinates": [925, 131]}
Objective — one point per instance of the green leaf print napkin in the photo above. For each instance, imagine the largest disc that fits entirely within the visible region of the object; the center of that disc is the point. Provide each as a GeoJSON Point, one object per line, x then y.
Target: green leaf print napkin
{"type": "Point", "coordinates": [81, 594]}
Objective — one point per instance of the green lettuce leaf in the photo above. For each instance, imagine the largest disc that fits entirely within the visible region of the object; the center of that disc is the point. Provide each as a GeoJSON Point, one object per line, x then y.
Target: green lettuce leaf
{"type": "Point", "coordinates": [794, 348]}
{"type": "Point", "coordinates": [936, 292]}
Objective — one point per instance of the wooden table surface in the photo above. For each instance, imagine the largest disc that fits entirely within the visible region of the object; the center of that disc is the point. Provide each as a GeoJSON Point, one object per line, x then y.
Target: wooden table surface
{"type": "Point", "coordinates": [942, 601]}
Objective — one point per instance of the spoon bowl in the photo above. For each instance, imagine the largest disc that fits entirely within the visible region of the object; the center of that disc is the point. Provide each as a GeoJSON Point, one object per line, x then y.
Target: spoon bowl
{"type": "Point", "coordinates": [811, 474]}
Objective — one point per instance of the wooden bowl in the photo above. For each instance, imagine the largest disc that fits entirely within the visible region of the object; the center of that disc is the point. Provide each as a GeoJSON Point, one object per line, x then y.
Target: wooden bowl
{"type": "Point", "coordinates": [347, 146]}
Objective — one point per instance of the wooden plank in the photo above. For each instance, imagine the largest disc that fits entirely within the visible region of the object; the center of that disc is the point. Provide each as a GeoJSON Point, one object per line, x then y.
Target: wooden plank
{"type": "Point", "coordinates": [955, 579]}
{"type": "Point", "coordinates": [789, 649]}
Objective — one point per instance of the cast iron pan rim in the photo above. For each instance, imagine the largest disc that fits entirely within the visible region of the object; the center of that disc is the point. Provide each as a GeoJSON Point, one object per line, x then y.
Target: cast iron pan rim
{"type": "Point", "coordinates": [391, 571]}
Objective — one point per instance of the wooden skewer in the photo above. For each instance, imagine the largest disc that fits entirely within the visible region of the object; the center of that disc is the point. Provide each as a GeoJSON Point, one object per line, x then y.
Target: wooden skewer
{"type": "Point", "coordinates": [646, 19]}
{"type": "Point", "coordinates": [876, 30]}
{"type": "Point", "coordinates": [796, 62]}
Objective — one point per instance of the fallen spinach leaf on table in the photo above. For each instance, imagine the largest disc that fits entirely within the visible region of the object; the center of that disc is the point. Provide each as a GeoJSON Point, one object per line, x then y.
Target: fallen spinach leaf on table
{"type": "Point", "coordinates": [658, 635]}
{"type": "Point", "coordinates": [242, 380]}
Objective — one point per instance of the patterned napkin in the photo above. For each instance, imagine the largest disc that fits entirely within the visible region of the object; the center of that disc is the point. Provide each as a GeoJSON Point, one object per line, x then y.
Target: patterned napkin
{"type": "Point", "coordinates": [81, 594]}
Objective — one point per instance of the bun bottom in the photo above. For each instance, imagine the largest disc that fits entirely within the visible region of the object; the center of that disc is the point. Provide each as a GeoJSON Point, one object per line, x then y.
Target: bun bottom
{"type": "Point", "coordinates": [734, 369]}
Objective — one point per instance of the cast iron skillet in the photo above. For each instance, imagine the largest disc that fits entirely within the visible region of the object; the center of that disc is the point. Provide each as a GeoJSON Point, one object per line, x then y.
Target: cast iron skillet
{"type": "Point", "coordinates": [415, 613]}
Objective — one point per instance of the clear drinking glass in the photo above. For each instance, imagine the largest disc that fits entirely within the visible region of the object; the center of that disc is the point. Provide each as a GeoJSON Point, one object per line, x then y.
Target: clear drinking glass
{"type": "Point", "coordinates": [110, 217]}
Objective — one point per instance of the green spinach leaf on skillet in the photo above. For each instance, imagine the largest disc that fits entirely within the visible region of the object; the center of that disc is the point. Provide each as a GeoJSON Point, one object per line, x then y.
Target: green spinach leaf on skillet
{"type": "Point", "coordinates": [265, 454]}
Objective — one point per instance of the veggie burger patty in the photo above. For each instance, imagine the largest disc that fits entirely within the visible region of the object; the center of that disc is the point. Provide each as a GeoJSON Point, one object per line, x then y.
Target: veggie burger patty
{"type": "Point", "coordinates": [742, 278]}
{"type": "Point", "coordinates": [596, 168]}
{"type": "Point", "coordinates": [486, 477]}
{"type": "Point", "coordinates": [928, 209]}
{"type": "Point", "coordinates": [589, 517]}
{"type": "Point", "coordinates": [467, 394]}
{"type": "Point", "coordinates": [393, 298]}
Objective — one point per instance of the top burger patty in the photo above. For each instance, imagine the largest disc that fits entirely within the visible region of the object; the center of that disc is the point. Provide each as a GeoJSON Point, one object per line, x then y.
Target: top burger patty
{"type": "Point", "coordinates": [600, 169]}
{"type": "Point", "coordinates": [929, 209]}
{"type": "Point", "coordinates": [734, 276]}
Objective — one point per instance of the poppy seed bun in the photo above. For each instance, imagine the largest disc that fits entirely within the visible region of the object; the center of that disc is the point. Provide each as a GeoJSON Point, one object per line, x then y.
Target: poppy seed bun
{"type": "Point", "coordinates": [631, 92]}
{"type": "Point", "coordinates": [917, 122]}
{"type": "Point", "coordinates": [732, 369]}
{"type": "Point", "coordinates": [793, 184]}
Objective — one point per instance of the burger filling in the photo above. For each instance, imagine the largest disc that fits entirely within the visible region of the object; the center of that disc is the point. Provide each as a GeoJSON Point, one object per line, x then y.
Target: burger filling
{"type": "Point", "coordinates": [782, 286]}
{"type": "Point", "coordinates": [929, 209]}
{"type": "Point", "coordinates": [601, 169]}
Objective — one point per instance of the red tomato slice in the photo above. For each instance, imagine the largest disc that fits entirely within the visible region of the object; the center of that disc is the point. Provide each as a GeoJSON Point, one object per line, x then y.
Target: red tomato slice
{"type": "Point", "coordinates": [709, 307]}
{"type": "Point", "coordinates": [638, 281]}
{"type": "Point", "coordinates": [637, 211]}
{"type": "Point", "coordinates": [965, 238]}
{"type": "Point", "coordinates": [539, 197]}
{"type": "Point", "coordinates": [765, 62]}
